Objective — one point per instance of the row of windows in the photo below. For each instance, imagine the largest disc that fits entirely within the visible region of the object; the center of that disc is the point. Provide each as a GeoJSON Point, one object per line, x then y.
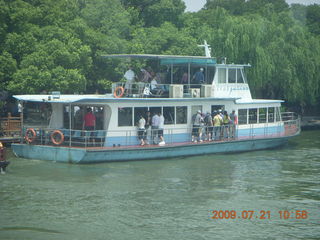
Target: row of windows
{"type": "Point", "coordinates": [258, 115]}
{"type": "Point", "coordinates": [129, 116]}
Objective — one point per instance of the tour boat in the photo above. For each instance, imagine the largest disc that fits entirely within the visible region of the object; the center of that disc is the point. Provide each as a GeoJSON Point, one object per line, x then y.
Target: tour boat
{"type": "Point", "coordinates": [52, 123]}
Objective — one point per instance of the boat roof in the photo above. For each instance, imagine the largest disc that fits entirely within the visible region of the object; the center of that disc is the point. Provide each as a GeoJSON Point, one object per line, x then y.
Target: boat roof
{"type": "Point", "coordinates": [94, 98]}
{"type": "Point", "coordinates": [257, 101]}
{"type": "Point", "coordinates": [169, 59]}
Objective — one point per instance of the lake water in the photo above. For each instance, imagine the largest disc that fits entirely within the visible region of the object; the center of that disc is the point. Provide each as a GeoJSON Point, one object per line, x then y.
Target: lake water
{"type": "Point", "coordinates": [168, 199]}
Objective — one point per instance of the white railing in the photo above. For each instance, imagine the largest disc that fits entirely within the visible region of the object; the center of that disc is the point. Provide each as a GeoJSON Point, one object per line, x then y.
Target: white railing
{"type": "Point", "coordinates": [141, 89]}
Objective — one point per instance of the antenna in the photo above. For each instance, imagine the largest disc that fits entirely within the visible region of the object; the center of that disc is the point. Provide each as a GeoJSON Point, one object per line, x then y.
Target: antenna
{"type": "Point", "coordinates": [206, 49]}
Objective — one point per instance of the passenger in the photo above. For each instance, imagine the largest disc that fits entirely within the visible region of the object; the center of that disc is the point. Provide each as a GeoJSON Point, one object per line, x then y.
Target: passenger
{"type": "Point", "coordinates": [129, 76]}
{"type": "Point", "coordinates": [155, 88]}
{"type": "Point", "coordinates": [196, 127]}
{"type": "Point", "coordinates": [148, 119]}
{"type": "Point", "coordinates": [184, 78]}
{"type": "Point", "coordinates": [198, 78]}
{"type": "Point", "coordinates": [234, 122]}
{"type": "Point", "coordinates": [226, 124]}
{"type": "Point", "coordinates": [141, 130]}
{"type": "Point", "coordinates": [202, 129]}
{"type": "Point", "coordinates": [89, 122]}
{"type": "Point", "coordinates": [217, 122]}
{"type": "Point", "coordinates": [160, 131]}
{"type": "Point", "coordinates": [209, 126]}
{"type": "Point", "coordinates": [146, 76]}
{"type": "Point", "coordinates": [154, 128]}
{"type": "Point", "coordinates": [220, 112]}
{"type": "Point", "coordinates": [20, 109]}
{"type": "Point", "coordinates": [78, 118]}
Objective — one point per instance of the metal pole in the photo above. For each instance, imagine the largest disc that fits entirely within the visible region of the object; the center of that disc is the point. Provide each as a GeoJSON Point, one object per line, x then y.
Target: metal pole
{"type": "Point", "coordinates": [70, 110]}
{"type": "Point", "coordinates": [189, 71]}
{"type": "Point", "coordinates": [21, 122]}
{"type": "Point", "coordinates": [171, 73]}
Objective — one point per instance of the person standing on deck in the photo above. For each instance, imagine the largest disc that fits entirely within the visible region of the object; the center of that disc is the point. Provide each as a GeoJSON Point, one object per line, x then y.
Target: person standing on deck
{"type": "Point", "coordinates": [160, 131]}
{"type": "Point", "coordinates": [146, 76]}
{"type": "Point", "coordinates": [154, 128]}
{"type": "Point", "coordinates": [89, 122]}
{"type": "Point", "coordinates": [129, 76]}
{"type": "Point", "coordinates": [226, 124]}
{"type": "Point", "coordinates": [148, 119]}
{"type": "Point", "coordinates": [209, 126]}
{"type": "Point", "coordinates": [234, 121]}
{"type": "Point", "coordinates": [141, 130]}
{"type": "Point", "coordinates": [217, 122]}
{"type": "Point", "coordinates": [196, 127]}
{"type": "Point", "coordinates": [198, 78]}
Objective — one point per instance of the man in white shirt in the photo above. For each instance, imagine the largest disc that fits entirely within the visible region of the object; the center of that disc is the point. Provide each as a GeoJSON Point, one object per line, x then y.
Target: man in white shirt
{"type": "Point", "coordinates": [155, 121]}
{"type": "Point", "coordinates": [155, 88]}
{"type": "Point", "coordinates": [129, 76]}
{"type": "Point", "coordinates": [161, 127]}
{"type": "Point", "coordinates": [141, 130]}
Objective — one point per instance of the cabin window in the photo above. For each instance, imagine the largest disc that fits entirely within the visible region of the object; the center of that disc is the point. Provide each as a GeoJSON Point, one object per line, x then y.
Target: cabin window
{"type": "Point", "coordinates": [124, 116]}
{"type": "Point", "coordinates": [239, 76]}
{"type": "Point", "coordinates": [217, 107]}
{"type": "Point", "coordinates": [263, 115]}
{"type": "Point", "coordinates": [155, 110]}
{"type": "Point", "coordinates": [232, 75]}
{"type": "Point", "coordinates": [243, 115]}
{"type": "Point", "coordinates": [182, 115]}
{"type": "Point", "coordinates": [253, 114]}
{"type": "Point", "coordinates": [271, 114]}
{"type": "Point", "coordinates": [195, 108]}
{"type": "Point", "coordinates": [34, 113]}
{"type": "Point", "coordinates": [168, 114]}
{"type": "Point", "coordinates": [139, 111]}
{"type": "Point", "coordinates": [222, 75]}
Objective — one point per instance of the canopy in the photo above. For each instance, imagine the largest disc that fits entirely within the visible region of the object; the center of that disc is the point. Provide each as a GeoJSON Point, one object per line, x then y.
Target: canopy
{"type": "Point", "coordinates": [170, 59]}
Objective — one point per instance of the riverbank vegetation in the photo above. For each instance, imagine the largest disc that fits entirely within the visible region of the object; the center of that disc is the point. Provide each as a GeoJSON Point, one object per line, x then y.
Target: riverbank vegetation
{"type": "Point", "coordinates": [56, 45]}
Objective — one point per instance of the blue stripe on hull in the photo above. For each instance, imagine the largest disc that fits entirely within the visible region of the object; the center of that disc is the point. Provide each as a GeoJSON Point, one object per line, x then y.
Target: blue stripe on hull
{"type": "Point", "coordinates": [78, 155]}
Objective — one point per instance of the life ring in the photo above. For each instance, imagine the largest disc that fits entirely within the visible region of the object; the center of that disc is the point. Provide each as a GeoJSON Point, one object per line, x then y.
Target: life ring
{"type": "Point", "coordinates": [118, 94]}
{"type": "Point", "coordinates": [55, 134]}
{"type": "Point", "coordinates": [30, 135]}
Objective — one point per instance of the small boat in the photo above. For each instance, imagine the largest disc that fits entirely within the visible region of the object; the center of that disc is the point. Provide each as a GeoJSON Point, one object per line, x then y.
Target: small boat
{"type": "Point", "coordinates": [53, 128]}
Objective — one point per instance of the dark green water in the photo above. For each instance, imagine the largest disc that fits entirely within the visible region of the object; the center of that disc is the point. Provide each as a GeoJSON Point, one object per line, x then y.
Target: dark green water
{"type": "Point", "coordinates": [166, 199]}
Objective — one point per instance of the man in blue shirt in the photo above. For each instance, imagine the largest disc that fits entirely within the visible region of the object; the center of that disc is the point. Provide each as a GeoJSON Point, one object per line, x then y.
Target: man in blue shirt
{"type": "Point", "coordinates": [198, 77]}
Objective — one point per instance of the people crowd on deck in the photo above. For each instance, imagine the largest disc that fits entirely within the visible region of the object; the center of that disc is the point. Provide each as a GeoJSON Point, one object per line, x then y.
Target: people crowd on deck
{"type": "Point", "coordinates": [159, 80]}
{"type": "Point", "coordinates": [215, 126]}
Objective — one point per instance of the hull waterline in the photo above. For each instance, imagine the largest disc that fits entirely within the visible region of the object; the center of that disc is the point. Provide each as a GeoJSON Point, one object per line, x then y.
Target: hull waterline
{"type": "Point", "coordinates": [95, 155]}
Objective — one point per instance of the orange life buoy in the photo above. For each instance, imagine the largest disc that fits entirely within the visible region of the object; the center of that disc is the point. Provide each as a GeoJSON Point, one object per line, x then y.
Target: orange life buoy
{"type": "Point", "coordinates": [120, 90]}
{"type": "Point", "coordinates": [30, 135]}
{"type": "Point", "coordinates": [53, 136]}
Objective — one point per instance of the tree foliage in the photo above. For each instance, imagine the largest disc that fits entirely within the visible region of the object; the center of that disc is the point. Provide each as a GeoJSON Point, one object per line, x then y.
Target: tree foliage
{"type": "Point", "coordinates": [48, 45]}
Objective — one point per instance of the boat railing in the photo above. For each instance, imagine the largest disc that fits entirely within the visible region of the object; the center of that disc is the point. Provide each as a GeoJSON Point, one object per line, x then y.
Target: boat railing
{"type": "Point", "coordinates": [146, 90]}
{"type": "Point", "coordinates": [110, 138]}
